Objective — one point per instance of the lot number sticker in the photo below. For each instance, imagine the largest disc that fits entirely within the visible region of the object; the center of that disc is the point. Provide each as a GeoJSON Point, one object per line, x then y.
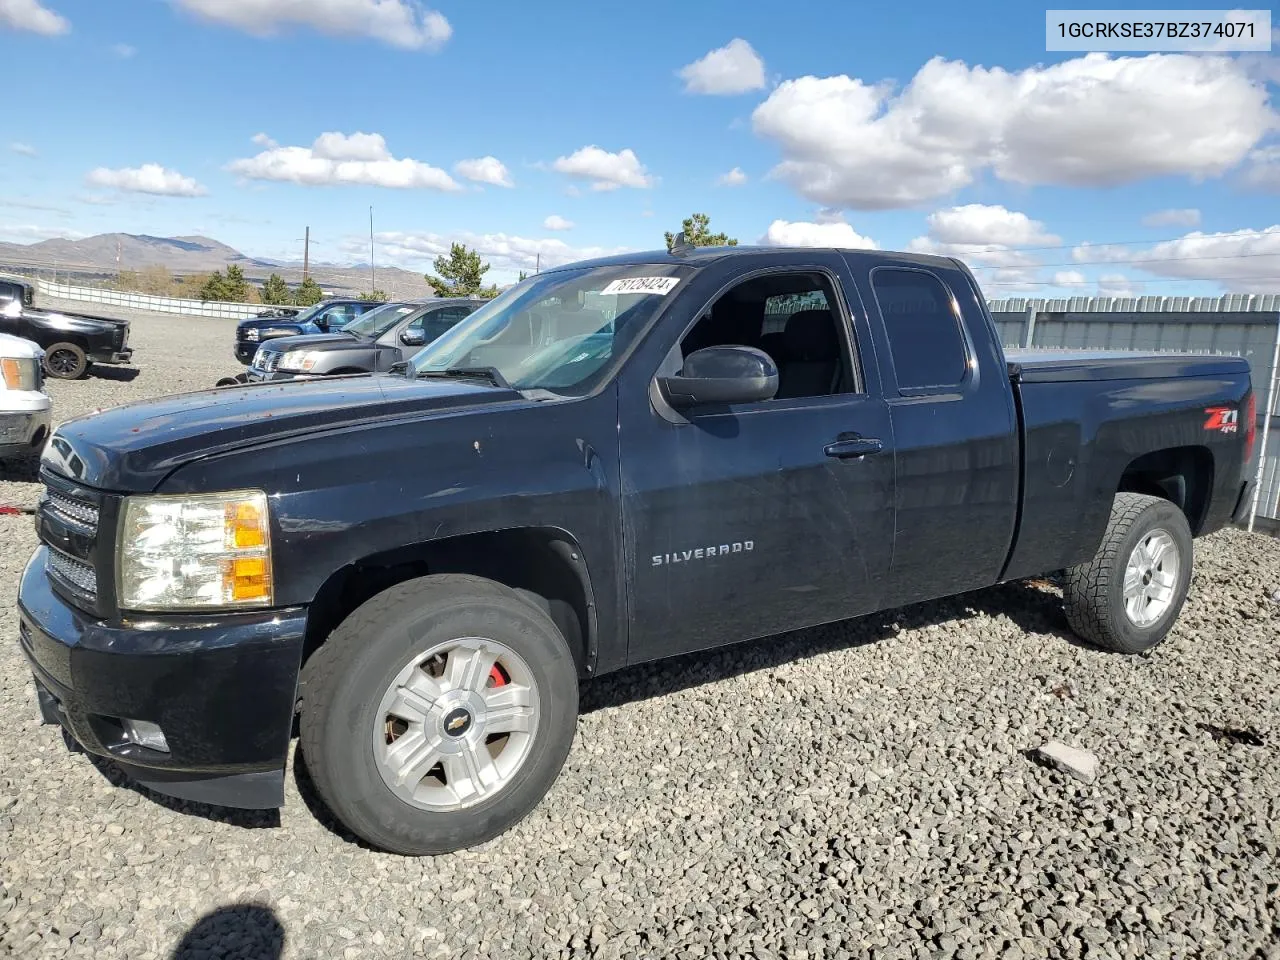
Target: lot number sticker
{"type": "Point", "coordinates": [660, 286]}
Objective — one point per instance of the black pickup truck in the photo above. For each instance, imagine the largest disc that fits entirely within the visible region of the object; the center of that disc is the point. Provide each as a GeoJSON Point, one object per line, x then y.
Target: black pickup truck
{"type": "Point", "coordinates": [71, 341]}
{"type": "Point", "coordinates": [612, 462]}
{"type": "Point", "coordinates": [372, 343]}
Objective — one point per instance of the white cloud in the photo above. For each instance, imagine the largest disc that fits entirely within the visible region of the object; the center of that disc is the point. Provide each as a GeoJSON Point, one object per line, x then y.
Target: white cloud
{"type": "Point", "coordinates": [607, 171]}
{"type": "Point", "coordinates": [988, 236]}
{"type": "Point", "coordinates": [1264, 168]}
{"type": "Point", "coordinates": [557, 222]}
{"type": "Point", "coordinates": [506, 253]}
{"type": "Point", "coordinates": [484, 170]}
{"type": "Point", "coordinates": [1089, 121]}
{"type": "Point", "coordinates": [149, 178]}
{"type": "Point", "coordinates": [399, 23]}
{"type": "Point", "coordinates": [124, 51]}
{"type": "Point", "coordinates": [733, 68]}
{"type": "Point", "coordinates": [783, 233]}
{"type": "Point", "coordinates": [24, 149]}
{"type": "Point", "coordinates": [1069, 278]}
{"type": "Point", "coordinates": [1184, 217]}
{"type": "Point", "coordinates": [734, 178]}
{"type": "Point", "coordinates": [1118, 285]}
{"type": "Point", "coordinates": [33, 16]}
{"type": "Point", "coordinates": [31, 233]}
{"type": "Point", "coordinates": [1242, 261]}
{"type": "Point", "coordinates": [337, 158]}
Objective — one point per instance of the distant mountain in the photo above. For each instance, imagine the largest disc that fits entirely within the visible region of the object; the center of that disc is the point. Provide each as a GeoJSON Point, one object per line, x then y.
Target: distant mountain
{"type": "Point", "coordinates": [103, 254]}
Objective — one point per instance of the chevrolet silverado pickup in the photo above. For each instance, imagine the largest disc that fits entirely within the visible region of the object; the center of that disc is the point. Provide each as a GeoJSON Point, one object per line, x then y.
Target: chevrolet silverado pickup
{"type": "Point", "coordinates": [614, 461]}
{"type": "Point", "coordinates": [72, 342]}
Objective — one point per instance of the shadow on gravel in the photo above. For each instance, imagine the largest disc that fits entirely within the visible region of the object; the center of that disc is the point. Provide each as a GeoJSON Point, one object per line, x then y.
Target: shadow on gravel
{"type": "Point", "coordinates": [251, 819]}
{"type": "Point", "coordinates": [21, 469]}
{"type": "Point", "coordinates": [242, 930]}
{"type": "Point", "coordinates": [1034, 607]}
{"type": "Point", "coordinates": [315, 806]}
{"type": "Point", "coordinates": [98, 371]}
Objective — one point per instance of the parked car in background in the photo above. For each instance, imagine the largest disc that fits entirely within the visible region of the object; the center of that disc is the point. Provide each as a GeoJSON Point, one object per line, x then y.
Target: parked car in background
{"type": "Point", "coordinates": [71, 341]}
{"type": "Point", "coordinates": [368, 344]}
{"type": "Point", "coordinates": [612, 462]}
{"type": "Point", "coordinates": [326, 315]}
{"type": "Point", "coordinates": [25, 408]}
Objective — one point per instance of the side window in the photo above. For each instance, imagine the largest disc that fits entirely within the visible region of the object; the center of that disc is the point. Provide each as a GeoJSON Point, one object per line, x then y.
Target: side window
{"type": "Point", "coordinates": [439, 322]}
{"type": "Point", "coordinates": [924, 331]}
{"type": "Point", "coordinates": [789, 317]}
{"type": "Point", "coordinates": [340, 315]}
{"type": "Point", "coordinates": [9, 291]}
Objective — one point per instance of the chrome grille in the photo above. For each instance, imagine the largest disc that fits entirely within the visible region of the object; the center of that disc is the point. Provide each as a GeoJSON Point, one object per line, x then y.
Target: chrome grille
{"type": "Point", "coordinates": [267, 360]}
{"type": "Point", "coordinates": [75, 513]}
{"type": "Point", "coordinates": [75, 572]}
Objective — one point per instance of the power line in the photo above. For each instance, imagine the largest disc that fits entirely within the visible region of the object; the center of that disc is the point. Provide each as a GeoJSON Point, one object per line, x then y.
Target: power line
{"type": "Point", "coordinates": [997, 247]}
{"type": "Point", "coordinates": [1092, 283]}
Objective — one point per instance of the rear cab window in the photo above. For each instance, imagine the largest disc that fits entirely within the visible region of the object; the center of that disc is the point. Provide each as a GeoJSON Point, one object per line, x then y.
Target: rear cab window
{"type": "Point", "coordinates": [922, 322]}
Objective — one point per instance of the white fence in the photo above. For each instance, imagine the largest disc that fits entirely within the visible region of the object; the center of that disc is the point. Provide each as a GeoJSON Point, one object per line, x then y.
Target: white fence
{"type": "Point", "coordinates": [139, 301]}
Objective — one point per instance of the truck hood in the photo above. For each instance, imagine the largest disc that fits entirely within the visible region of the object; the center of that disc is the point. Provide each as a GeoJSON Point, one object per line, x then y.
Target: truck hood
{"type": "Point", "coordinates": [319, 341]}
{"type": "Point", "coordinates": [131, 449]}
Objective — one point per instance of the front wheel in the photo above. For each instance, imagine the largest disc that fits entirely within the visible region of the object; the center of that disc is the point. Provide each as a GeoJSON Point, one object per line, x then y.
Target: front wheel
{"type": "Point", "coordinates": [438, 714]}
{"type": "Point", "coordinates": [1128, 596]}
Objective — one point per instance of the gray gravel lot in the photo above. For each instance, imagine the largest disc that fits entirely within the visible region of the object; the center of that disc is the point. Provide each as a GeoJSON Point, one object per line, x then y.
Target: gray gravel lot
{"type": "Point", "coordinates": [859, 790]}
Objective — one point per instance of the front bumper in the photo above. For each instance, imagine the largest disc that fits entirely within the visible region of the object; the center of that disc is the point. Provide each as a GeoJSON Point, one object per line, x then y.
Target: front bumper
{"type": "Point", "coordinates": [108, 355]}
{"type": "Point", "coordinates": [222, 688]}
{"type": "Point", "coordinates": [23, 432]}
{"type": "Point", "coordinates": [245, 349]}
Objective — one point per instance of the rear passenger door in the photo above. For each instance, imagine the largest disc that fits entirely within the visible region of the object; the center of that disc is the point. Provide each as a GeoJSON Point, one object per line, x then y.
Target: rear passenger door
{"type": "Point", "coordinates": [954, 427]}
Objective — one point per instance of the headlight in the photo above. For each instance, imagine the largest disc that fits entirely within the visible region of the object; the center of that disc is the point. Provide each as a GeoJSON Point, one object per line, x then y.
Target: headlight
{"type": "Point", "coordinates": [18, 374]}
{"type": "Point", "coordinates": [299, 361]}
{"type": "Point", "coordinates": [195, 551]}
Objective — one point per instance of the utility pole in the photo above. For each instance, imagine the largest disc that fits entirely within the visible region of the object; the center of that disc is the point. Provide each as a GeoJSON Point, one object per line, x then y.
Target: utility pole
{"type": "Point", "coordinates": [306, 255]}
{"type": "Point", "coordinates": [538, 264]}
{"type": "Point", "coordinates": [373, 276]}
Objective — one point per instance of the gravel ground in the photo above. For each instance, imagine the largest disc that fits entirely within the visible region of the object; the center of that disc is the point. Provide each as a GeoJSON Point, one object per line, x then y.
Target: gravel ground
{"type": "Point", "coordinates": [859, 790]}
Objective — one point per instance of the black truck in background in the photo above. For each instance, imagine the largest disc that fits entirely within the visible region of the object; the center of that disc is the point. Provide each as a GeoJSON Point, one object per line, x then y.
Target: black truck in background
{"type": "Point", "coordinates": [612, 462]}
{"type": "Point", "coordinates": [72, 342]}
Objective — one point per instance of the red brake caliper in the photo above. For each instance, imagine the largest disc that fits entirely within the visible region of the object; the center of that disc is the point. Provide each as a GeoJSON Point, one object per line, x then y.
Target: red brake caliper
{"type": "Point", "coordinates": [498, 677]}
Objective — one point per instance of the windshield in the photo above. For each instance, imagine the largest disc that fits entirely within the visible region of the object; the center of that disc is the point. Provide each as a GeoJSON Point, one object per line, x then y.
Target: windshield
{"type": "Point", "coordinates": [380, 319]}
{"type": "Point", "coordinates": [555, 331]}
{"type": "Point", "coordinates": [310, 312]}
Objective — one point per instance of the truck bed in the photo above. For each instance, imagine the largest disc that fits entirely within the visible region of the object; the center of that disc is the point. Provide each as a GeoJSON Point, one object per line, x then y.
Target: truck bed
{"type": "Point", "coordinates": [1063, 366]}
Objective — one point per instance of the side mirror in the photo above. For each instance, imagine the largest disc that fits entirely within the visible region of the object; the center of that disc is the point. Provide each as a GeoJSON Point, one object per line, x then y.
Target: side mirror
{"type": "Point", "coordinates": [721, 375]}
{"type": "Point", "coordinates": [323, 324]}
{"type": "Point", "coordinates": [412, 338]}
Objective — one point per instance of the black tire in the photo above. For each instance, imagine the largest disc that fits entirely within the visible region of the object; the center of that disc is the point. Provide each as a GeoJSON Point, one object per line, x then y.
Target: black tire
{"type": "Point", "coordinates": [344, 681]}
{"type": "Point", "coordinates": [1094, 592]}
{"type": "Point", "coordinates": [65, 361]}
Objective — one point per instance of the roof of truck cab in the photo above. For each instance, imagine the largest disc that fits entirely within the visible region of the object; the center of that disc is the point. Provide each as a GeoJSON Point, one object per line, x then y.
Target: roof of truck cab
{"type": "Point", "coordinates": [703, 256]}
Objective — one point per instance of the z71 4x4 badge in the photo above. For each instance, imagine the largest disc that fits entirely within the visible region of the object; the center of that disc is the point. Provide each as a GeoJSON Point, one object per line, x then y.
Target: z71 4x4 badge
{"type": "Point", "coordinates": [1222, 419]}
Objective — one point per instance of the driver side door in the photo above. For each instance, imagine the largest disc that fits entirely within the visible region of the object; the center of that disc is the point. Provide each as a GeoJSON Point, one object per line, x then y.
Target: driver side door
{"type": "Point", "coordinates": [750, 519]}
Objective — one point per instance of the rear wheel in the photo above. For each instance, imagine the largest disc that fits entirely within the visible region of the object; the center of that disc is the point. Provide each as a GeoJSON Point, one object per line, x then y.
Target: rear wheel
{"type": "Point", "coordinates": [65, 361]}
{"type": "Point", "coordinates": [438, 714]}
{"type": "Point", "coordinates": [1128, 596]}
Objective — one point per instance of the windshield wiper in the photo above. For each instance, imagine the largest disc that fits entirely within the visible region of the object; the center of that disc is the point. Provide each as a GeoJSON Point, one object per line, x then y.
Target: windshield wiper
{"type": "Point", "coordinates": [492, 374]}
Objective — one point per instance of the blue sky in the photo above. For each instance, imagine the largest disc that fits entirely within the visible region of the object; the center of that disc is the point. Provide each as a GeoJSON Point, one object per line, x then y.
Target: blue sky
{"type": "Point", "coordinates": [502, 124]}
